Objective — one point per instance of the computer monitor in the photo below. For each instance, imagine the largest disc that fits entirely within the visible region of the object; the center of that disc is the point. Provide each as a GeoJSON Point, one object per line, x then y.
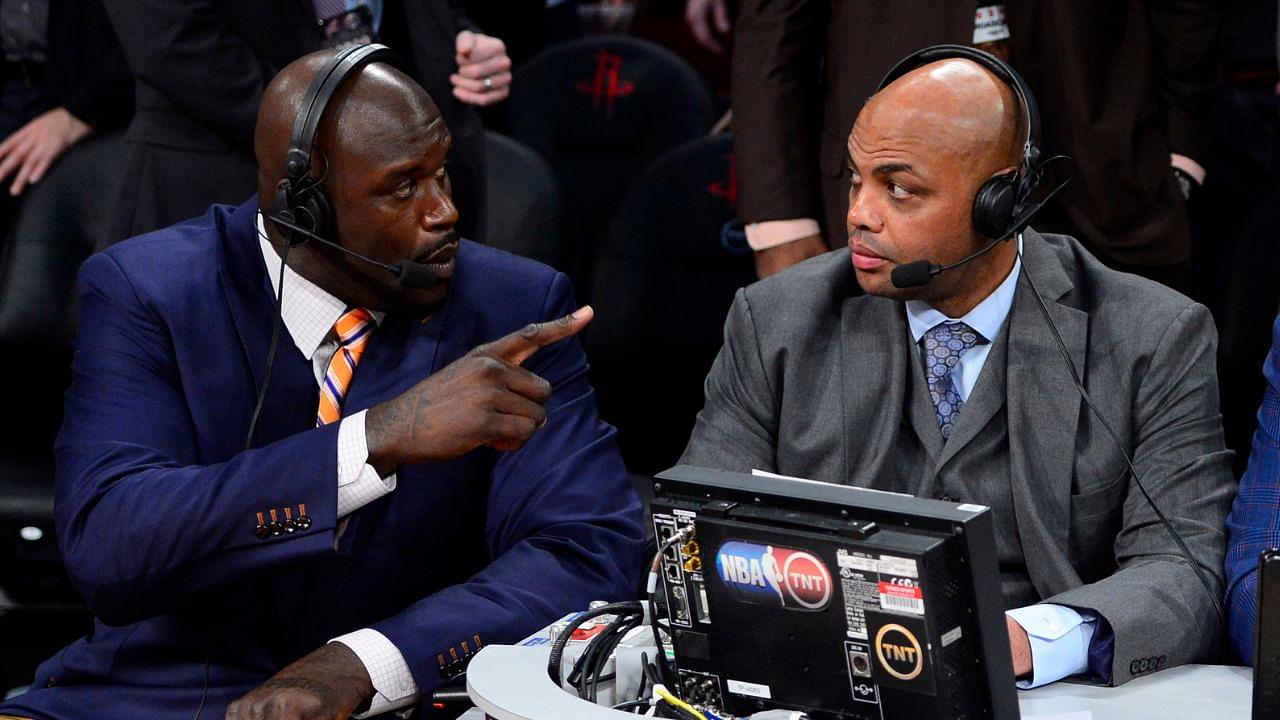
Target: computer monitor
{"type": "Point", "coordinates": [833, 600]}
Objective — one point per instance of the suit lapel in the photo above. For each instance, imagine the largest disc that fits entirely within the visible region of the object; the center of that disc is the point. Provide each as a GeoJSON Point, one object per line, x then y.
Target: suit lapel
{"type": "Point", "coordinates": [874, 343]}
{"type": "Point", "coordinates": [1044, 412]}
{"type": "Point", "coordinates": [292, 396]}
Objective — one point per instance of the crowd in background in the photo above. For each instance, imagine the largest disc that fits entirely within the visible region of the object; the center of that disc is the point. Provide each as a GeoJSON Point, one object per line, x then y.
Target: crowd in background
{"type": "Point", "coordinates": [577, 126]}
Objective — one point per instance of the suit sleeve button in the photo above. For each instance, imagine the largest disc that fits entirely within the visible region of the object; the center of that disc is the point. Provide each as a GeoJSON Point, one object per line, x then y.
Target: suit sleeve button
{"type": "Point", "coordinates": [303, 522]}
{"type": "Point", "coordinates": [262, 532]}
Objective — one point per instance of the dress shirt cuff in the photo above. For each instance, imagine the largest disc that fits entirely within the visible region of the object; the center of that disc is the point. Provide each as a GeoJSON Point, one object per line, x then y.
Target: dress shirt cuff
{"type": "Point", "coordinates": [393, 684]}
{"type": "Point", "coordinates": [772, 233]}
{"type": "Point", "coordinates": [1060, 640]}
{"type": "Point", "coordinates": [358, 483]}
{"type": "Point", "coordinates": [1188, 166]}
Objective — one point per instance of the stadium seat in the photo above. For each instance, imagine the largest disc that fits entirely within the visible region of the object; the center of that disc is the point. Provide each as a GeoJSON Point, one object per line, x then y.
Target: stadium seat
{"type": "Point", "coordinates": [667, 274]}
{"type": "Point", "coordinates": [600, 109]}
{"type": "Point", "coordinates": [522, 203]}
{"type": "Point", "coordinates": [53, 231]}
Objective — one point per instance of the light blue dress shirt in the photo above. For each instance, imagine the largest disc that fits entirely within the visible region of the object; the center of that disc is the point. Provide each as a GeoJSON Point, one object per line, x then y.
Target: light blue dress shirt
{"type": "Point", "coordinates": [1059, 636]}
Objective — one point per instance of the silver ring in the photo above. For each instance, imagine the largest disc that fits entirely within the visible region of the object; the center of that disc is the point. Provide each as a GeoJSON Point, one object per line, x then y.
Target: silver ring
{"type": "Point", "coordinates": [488, 83]}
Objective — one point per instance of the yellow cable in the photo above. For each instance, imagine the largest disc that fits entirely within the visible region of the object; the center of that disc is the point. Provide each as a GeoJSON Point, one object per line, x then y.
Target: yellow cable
{"type": "Point", "coordinates": [666, 695]}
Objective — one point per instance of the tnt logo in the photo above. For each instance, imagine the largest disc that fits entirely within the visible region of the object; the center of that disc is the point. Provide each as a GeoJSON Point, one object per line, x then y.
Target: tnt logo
{"type": "Point", "coordinates": [899, 652]}
{"type": "Point", "coordinates": [771, 575]}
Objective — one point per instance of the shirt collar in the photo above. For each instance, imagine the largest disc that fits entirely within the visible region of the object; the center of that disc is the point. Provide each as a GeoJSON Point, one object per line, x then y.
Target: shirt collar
{"type": "Point", "coordinates": [986, 319]}
{"type": "Point", "coordinates": [309, 312]}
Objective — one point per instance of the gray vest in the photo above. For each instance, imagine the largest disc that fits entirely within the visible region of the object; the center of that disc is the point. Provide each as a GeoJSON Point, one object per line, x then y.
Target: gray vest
{"type": "Point", "coordinates": [973, 466]}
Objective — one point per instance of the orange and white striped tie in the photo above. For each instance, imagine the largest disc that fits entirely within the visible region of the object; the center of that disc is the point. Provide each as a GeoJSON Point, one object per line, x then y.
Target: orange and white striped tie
{"type": "Point", "coordinates": [353, 330]}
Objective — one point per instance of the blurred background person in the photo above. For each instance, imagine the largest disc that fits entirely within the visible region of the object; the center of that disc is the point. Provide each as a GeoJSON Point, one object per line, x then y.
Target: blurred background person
{"type": "Point", "coordinates": [64, 79]}
{"type": "Point", "coordinates": [201, 67]}
{"type": "Point", "coordinates": [1235, 218]}
{"type": "Point", "coordinates": [1123, 88]}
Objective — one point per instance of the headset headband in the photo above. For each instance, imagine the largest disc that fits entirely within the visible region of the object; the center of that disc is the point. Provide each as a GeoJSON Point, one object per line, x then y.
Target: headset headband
{"type": "Point", "coordinates": [323, 86]}
{"type": "Point", "coordinates": [1030, 148]}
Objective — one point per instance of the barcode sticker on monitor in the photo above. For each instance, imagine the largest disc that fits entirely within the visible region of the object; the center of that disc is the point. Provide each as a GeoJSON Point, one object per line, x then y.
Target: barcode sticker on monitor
{"type": "Point", "coordinates": [901, 595]}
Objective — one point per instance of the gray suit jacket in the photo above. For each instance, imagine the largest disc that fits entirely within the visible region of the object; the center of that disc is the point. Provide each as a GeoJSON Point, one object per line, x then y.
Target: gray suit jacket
{"type": "Point", "coordinates": [811, 382]}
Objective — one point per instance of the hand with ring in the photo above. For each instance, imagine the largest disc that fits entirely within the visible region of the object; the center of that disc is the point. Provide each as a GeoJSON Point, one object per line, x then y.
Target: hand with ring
{"type": "Point", "coordinates": [484, 69]}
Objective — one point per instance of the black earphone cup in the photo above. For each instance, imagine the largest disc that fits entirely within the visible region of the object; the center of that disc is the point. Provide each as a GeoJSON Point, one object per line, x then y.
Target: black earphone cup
{"type": "Point", "coordinates": [315, 211]}
{"type": "Point", "coordinates": [309, 209]}
{"type": "Point", "coordinates": [994, 204]}
{"type": "Point", "coordinates": [282, 207]}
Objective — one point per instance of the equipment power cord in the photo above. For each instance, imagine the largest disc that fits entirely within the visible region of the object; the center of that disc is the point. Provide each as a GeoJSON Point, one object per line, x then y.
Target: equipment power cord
{"type": "Point", "coordinates": [628, 607]}
{"type": "Point", "coordinates": [664, 668]}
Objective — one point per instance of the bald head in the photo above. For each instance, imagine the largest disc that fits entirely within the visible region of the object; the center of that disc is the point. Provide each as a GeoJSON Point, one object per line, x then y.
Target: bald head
{"type": "Point", "coordinates": [376, 102]}
{"type": "Point", "coordinates": [919, 152]}
{"type": "Point", "coordinates": [967, 110]}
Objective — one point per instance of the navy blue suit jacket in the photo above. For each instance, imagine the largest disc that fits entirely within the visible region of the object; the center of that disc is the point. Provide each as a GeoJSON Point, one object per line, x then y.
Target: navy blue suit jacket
{"type": "Point", "coordinates": [157, 504]}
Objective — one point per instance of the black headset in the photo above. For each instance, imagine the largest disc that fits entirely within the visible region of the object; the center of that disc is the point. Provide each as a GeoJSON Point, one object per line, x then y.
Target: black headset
{"type": "Point", "coordinates": [1000, 207]}
{"type": "Point", "coordinates": [300, 199]}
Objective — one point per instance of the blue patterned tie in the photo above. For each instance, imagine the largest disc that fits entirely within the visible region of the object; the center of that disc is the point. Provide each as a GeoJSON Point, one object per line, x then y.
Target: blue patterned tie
{"type": "Point", "coordinates": [940, 351]}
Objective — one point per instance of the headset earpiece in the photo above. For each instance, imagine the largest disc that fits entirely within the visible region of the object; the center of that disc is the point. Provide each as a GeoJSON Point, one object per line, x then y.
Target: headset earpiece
{"type": "Point", "coordinates": [994, 205]}
{"type": "Point", "coordinates": [282, 207]}
{"type": "Point", "coordinates": [313, 211]}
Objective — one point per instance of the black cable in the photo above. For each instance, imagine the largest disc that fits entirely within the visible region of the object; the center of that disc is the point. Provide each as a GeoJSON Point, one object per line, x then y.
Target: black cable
{"type": "Point", "coordinates": [608, 643]}
{"type": "Point", "coordinates": [630, 704]}
{"type": "Point", "coordinates": [557, 649]}
{"type": "Point", "coordinates": [271, 352]}
{"type": "Point", "coordinates": [596, 654]}
{"type": "Point", "coordinates": [651, 673]}
{"type": "Point", "coordinates": [586, 671]}
{"type": "Point", "coordinates": [1115, 440]}
{"type": "Point", "coordinates": [664, 668]}
{"type": "Point", "coordinates": [644, 677]}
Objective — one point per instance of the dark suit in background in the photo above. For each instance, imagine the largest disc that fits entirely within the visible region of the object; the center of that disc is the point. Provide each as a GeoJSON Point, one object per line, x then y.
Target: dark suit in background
{"type": "Point", "coordinates": [819, 382]}
{"type": "Point", "coordinates": [1120, 85]}
{"type": "Point", "coordinates": [85, 69]}
{"type": "Point", "coordinates": [201, 67]}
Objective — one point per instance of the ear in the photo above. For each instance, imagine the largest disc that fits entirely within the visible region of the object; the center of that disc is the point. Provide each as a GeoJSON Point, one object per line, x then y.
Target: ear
{"type": "Point", "coordinates": [1007, 170]}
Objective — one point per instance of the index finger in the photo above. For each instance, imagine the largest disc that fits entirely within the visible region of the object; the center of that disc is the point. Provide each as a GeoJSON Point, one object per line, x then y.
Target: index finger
{"type": "Point", "coordinates": [518, 346]}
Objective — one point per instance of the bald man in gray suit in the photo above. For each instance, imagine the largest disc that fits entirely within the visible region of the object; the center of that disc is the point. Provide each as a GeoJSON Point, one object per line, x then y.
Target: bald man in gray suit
{"type": "Point", "coordinates": [956, 390]}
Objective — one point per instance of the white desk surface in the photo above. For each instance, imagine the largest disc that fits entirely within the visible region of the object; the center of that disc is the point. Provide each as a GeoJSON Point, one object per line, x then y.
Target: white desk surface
{"type": "Point", "coordinates": [1190, 692]}
{"type": "Point", "coordinates": [510, 683]}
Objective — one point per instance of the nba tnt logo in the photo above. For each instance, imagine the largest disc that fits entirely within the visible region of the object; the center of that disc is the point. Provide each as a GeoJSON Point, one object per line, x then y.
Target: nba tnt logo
{"type": "Point", "coordinates": [607, 85]}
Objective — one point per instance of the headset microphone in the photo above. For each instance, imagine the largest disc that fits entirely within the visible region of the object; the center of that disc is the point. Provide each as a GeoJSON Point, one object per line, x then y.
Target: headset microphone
{"type": "Point", "coordinates": [921, 272]}
{"type": "Point", "coordinates": [408, 273]}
